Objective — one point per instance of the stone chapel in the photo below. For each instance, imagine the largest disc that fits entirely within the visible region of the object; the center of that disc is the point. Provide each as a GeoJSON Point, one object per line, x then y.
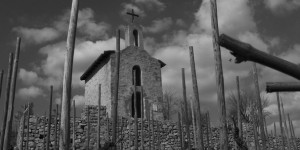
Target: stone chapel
{"type": "Point", "coordinates": [100, 75]}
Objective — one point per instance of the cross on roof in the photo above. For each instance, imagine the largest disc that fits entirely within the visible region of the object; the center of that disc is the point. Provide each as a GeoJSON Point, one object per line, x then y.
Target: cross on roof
{"type": "Point", "coordinates": [132, 14]}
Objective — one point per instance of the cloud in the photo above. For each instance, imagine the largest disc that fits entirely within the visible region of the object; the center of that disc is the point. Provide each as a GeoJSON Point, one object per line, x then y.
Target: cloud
{"type": "Point", "coordinates": [159, 25]}
{"type": "Point", "coordinates": [79, 100]}
{"type": "Point", "coordinates": [151, 4]}
{"type": "Point", "coordinates": [28, 77]}
{"type": "Point", "coordinates": [128, 7]}
{"type": "Point", "coordinates": [30, 92]}
{"type": "Point", "coordinates": [37, 36]}
{"type": "Point", "coordinates": [282, 6]}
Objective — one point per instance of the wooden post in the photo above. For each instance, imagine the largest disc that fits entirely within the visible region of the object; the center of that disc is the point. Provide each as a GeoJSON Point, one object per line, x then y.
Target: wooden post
{"type": "Point", "coordinates": [28, 125]}
{"type": "Point", "coordinates": [260, 111]}
{"type": "Point", "coordinates": [291, 131]}
{"type": "Point", "coordinates": [10, 113]}
{"type": "Point", "coordinates": [153, 132]}
{"type": "Point", "coordinates": [99, 119]}
{"type": "Point", "coordinates": [197, 100]}
{"type": "Point", "coordinates": [219, 76]}
{"type": "Point", "coordinates": [44, 132]}
{"type": "Point", "coordinates": [180, 132]}
{"type": "Point", "coordinates": [187, 129]}
{"type": "Point", "coordinates": [116, 89]}
{"type": "Point", "coordinates": [136, 146]}
{"type": "Point", "coordinates": [285, 127]}
{"type": "Point", "coordinates": [239, 107]}
{"type": "Point", "coordinates": [194, 124]}
{"type": "Point", "coordinates": [74, 125]}
{"type": "Point", "coordinates": [207, 129]}
{"type": "Point", "coordinates": [275, 135]}
{"type": "Point", "coordinates": [88, 127]}
{"type": "Point", "coordinates": [142, 118]}
{"type": "Point", "coordinates": [64, 142]}
{"type": "Point", "coordinates": [1, 80]}
{"type": "Point", "coordinates": [254, 121]}
{"type": "Point", "coordinates": [275, 131]}
{"type": "Point", "coordinates": [8, 81]}
{"type": "Point", "coordinates": [280, 119]}
{"type": "Point", "coordinates": [55, 130]}
{"type": "Point", "coordinates": [49, 119]}
{"type": "Point", "coordinates": [149, 124]}
{"type": "Point", "coordinates": [107, 124]}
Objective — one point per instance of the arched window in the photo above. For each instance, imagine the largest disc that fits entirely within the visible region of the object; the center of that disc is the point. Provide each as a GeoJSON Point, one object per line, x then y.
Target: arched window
{"type": "Point", "coordinates": [136, 37]}
{"type": "Point", "coordinates": [138, 105]}
{"type": "Point", "coordinates": [136, 70]}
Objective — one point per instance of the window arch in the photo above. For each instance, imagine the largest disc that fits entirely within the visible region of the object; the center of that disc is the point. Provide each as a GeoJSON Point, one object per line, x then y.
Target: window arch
{"type": "Point", "coordinates": [136, 70]}
{"type": "Point", "coordinates": [135, 37]}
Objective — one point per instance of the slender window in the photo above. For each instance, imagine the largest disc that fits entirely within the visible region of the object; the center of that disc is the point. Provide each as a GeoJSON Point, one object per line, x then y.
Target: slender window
{"type": "Point", "coordinates": [138, 105]}
{"type": "Point", "coordinates": [137, 74]}
{"type": "Point", "coordinates": [136, 37]}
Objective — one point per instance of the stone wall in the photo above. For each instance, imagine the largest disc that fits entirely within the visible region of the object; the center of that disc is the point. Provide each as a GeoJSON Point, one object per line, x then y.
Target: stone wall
{"type": "Point", "coordinates": [166, 135]}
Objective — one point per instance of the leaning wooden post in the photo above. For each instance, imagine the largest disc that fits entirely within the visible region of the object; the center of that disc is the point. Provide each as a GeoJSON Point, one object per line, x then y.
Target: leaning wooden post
{"type": "Point", "coordinates": [9, 72]}
{"type": "Point", "coordinates": [49, 119]}
{"type": "Point", "coordinates": [280, 120]}
{"type": "Point", "coordinates": [285, 127]}
{"type": "Point", "coordinates": [187, 126]}
{"type": "Point", "coordinates": [1, 80]}
{"type": "Point", "coordinates": [260, 111]}
{"type": "Point", "coordinates": [291, 131]}
{"type": "Point", "coordinates": [28, 125]}
{"type": "Point", "coordinates": [116, 90]}
{"type": "Point", "coordinates": [142, 119]}
{"type": "Point", "coordinates": [64, 142]}
{"type": "Point", "coordinates": [239, 107]}
{"type": "Point", "coordinates": [10, 113]}
{"type": "Point", "coordinates": [194, 125]}
{"type": "Point", "coordinates": [135, 114]}
{"type": "Point", "coordinates": [74, 125]}
{"type": "Point", "coordinates": [219, 75]}
{"type": "Point", "coordinates": [99, 119]}
{"type": "Point", "coordinates": [197, 100]}
{"type": "Point", "coordinates": [88, 127]}
{"type": "Point", "coordinates": [55, 130]}
{"type": "Point", "coordinates": [179, 130]}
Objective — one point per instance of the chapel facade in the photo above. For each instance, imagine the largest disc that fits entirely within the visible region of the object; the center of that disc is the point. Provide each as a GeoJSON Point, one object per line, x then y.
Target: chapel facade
{"type": "Point", "coordinates": [100, 77]}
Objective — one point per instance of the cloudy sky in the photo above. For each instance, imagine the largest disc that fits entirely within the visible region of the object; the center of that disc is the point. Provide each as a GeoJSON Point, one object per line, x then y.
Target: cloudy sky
{"type": "Point", "coordinates": [170, 26]}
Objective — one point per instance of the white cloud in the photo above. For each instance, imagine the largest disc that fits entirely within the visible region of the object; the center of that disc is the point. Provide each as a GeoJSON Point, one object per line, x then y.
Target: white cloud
{"type": "Point", "coordinates": [79, 100]}
{"type": "Point", "coordinates": [28, 77]}
{"type": "Point", "coordinates": [159, 25]}
{"type": "Point", "coordinates": [127, 7]}
{"type": "Point", "coordinates": [37, 36]}
{"type": "Point", "coordinates": [282, 6]}
{"type": "Point", "coordinates": [30, 92]}
{"type": "Point", "coordinates": [151, 3]}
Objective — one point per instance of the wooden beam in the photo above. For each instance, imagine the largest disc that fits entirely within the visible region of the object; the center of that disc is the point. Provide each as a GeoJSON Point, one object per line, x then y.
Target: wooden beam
{"type": "Point", "coordinates": [187, 126]}
{"type": "Point", "coordinates": [116, 89]}
{"type": "Point", "coordinates": [49, 119]}
{"type": "Point", "coordinates": [64, 142]}
{"type": "Point", "coordinates": [282, 87]}
{"type": "Point", "coordinates": [1, 81]}
{"type": "Point", "coordinates": [245, 52]}
{"type": "Point", "coordinates": [239, 117]}
{"type": "Point", "coordinates": [99, 119]}
{"type": "Point", "coordinates": [280, 119]}
{"type": "Point", "coordinates": [219, 76]}
{"type": "Point", "coordinates": [11, 105]}
{"type": "Point", "coordinates": [8, 81]}
{"type": "Point", "coordinates": [74, 126]}
{"type": "Point", "coordinates": [196, 99]}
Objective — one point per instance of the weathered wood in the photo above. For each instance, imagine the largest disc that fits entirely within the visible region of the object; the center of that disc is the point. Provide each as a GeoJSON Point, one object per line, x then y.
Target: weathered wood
{"type": "Point", "coordinates": [149, 125]}
{"type": "Point", "coordinates": [275, 136]}
{"type": "Point", "coordinates": [116, 89]}
{"type": "Point", "coordinates": [99, 119]}
{"type": "Point", "coordinates": [1, 81]}
{"type": "Point", "coordinates": [275, 130]}
{"type": "Point", "coordinates": [245, 52]}
{"type": "Point", "coordinates": [259, 104]}
{"type": "Point", "coordinates": [142, 119]}
{"type": "Point", "coordinates": [280, 120]}
{"type": "Point", "coordinates": [74, 126]}
{"type": "Point", "coordinates": [219, 76]}
{"type": "Point", "coordinates": [239, 107]}
{"type": "Point", "coordinates": [37, 130]}
{"type": "Point", "coordinates": [282, 87]}
{"type": "Point", "coordinates": [153, 132]}
{"type": "Point", "coordinates": [28, 126]}
{"type": "Point", "coordinates": [187, 129]}
{"type": "Point", "coordinates": [55, 130]}
{"type": "Point", "coordinates": [11, 105]}
{"type": "Point", "coordinates": [49, 119]}
{"type": "Point", "coordinates": [64, 142]}
{"type": "Point", "coordinates": [136, 134]}
{"type": "Point", "coordinates": [285, 126]}
{"type": "Point", "coordinates": [194, 124]}
{"type": "Point", "coordinates": [44, 132]}
{"type": "Point", "coordinates": [254, 120]}
{"type": "Point", "coordinates": [88, 128]}
{"type": "Point", "coordinates": [8, 81]}
{"type": "Point", "coordinates": [291, 131]}
{"type": "Point", "coordinates": [23, 128]}
{"type": "Point", "coordinates": [196, 99]}
{"type": "Point", "coordinates": [180, 131]}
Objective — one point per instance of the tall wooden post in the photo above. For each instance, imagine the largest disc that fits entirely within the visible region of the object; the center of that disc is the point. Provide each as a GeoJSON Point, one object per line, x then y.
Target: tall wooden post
{"type": "Point", "coordinates": [180, 131]}
{"type": "Point", "coordinates": [135, 114]}
{"type": "Point", "coordinates": [197, 100]}
{"type": "Point", "coordinates": [142, 118]}
{"type": "Point", "coordinates": [49, 119]}
{"type": "Point", "coordinates": [23, 128]}
{"type": "Point", "coordinates": [260, 111]}
{"type": "Point", "coordinates": [88, 127]}
{"type": "Point", "coordinates": [153, 132]}
{"type": "Point", "coordinates": [99, 119]}
{"type": "Point", "coordinates": [187, 126]}
{"type": "Point", "coordinates": [291, 131]}
{"type": "Point", "coordinates": [8, 81]}
{"type": "Point", "coordinates": [28, 126]}
{"type": "Point", "coordinates": [280, 120]}
{"type": "Point", "coordinates": [44, 132]}
{"type": "Point", "coordinates": [116, 90]}
{"type": "Point", "coordinates": [285, 127]}
{"type": "Point", "coordinates": [194, 125]}
{"type": "Point", "coordinates": [275, 136]}
{"type": "Point", "coordinates": [74, 125]}
{"type": "Point", "coordinates": [55, 130]}
{"type": "Point", "coordinates": [275, 131]}
{"type": "Point", "coordinates": [1, 80]}
{"type": "Point", "coordinates": [219, 76]}
{"type": "Point", "coordinates": [64, 142]}
{"type": "Point", "coordinates": [149, 125]}
{"type": "Point", "coordinates": [239, 107]}
{"type": "Point", "coordinates": [10, 113]}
